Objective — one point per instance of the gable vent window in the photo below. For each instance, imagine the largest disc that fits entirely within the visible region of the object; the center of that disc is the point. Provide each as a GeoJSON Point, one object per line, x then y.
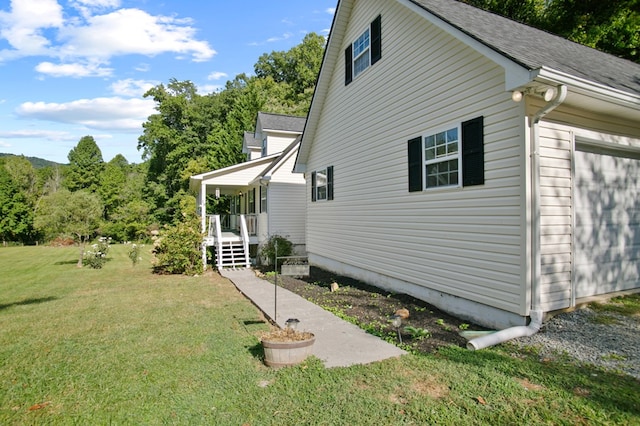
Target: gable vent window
{"type": "Point", "coordinates": [322, 184]}
{"type": "Point", "coordinates": [448, 158]}
{"type": "Point", "coordinates": [364, 52]}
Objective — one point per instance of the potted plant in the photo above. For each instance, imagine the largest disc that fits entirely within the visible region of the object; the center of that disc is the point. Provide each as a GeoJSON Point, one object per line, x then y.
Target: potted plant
{"type": "Point", "coordinates": [285, 347]}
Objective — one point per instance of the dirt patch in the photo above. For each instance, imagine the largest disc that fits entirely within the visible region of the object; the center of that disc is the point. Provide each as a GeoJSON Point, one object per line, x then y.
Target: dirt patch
{"type": "Point", "coordinates": [425, 330]}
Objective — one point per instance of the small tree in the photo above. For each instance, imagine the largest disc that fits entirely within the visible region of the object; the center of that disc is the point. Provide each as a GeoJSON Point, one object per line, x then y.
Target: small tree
{"type": "Point", "coordinates": [70, 213]}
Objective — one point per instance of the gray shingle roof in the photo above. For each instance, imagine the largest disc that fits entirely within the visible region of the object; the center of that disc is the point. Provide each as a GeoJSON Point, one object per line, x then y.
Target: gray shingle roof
{"type": "Point", "coordinates": [251, 141]}
{"type": "Point", "coordinates": [533, 48]}
{"type": "Point", "coordinates": [281, 122]}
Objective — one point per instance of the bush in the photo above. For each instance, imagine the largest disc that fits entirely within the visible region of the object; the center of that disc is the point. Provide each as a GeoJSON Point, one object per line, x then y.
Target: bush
{"type": "Point", "coordinates": [97, 256]}
{"type": "Point", "coordinates": [134, 254]}
{"type": "Point", "coordinates": [178, 249]}
{"type": "Point", "coordinates": [268, 249]}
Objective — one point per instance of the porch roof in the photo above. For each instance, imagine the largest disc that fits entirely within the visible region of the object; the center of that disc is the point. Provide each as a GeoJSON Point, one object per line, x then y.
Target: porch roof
{"type": "Point", "coordinates": [236, 176]}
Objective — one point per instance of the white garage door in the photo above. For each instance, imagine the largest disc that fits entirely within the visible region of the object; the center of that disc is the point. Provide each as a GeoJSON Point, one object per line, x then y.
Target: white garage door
{"type": "Point", "coordinates": [607, 215]}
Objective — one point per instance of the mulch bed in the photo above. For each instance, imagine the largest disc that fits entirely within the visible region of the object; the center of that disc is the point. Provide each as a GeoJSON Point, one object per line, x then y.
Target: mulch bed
{"type": "Point", "coordinates": [372, 308]}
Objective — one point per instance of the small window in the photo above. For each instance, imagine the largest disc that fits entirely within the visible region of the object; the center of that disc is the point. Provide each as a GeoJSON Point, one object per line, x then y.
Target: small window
{"type": "Point", "coordinates": [322, 184]}
{"type": "Point", "coordinates": [364, 52]}
{"type": "Point", "coordinates": [263, 199]}
{"type": "Point", "coordinates": [252, 201]}
{"type": "Point", "coordinates": [264, 146]}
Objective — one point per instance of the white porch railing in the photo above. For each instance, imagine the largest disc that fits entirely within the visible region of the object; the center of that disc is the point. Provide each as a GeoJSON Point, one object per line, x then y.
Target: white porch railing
{"type": "Point", "coordinates": [245, 237]}
{"type": "Point", "coordinates": [232, 247]}
{"type": "Point", "coordinates": [233, 223]}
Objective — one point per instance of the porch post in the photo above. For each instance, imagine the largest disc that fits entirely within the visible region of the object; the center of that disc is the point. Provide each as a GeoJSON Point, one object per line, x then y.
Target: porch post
{"type": "Point", "coordinates": [203, 219]}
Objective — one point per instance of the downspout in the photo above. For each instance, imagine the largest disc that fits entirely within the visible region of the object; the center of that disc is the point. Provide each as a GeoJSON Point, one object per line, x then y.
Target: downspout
{"type": "Point", "coordinates": [536, 314]}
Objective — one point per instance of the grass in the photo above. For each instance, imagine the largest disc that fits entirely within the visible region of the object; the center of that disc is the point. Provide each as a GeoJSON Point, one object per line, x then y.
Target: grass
{"type": "Point", "coordinates": [122, 346]}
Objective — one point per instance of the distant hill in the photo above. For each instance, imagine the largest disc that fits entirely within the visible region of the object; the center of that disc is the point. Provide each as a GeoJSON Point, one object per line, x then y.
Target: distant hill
{"type": "Point", "coordinates": [37, 163]}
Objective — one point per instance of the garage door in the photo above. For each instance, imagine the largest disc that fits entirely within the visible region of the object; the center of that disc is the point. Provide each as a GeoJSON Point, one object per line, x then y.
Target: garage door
{"type": "Point", "coordinates": [607, 218]}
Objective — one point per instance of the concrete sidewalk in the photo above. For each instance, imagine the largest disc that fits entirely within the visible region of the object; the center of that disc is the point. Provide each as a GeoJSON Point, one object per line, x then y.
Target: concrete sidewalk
{"type": "Point", "coordinates": [338, 343]}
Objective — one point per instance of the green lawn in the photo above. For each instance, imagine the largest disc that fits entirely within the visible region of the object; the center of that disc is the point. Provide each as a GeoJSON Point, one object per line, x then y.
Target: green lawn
{"type": "Point", "coordinates": [123, 346]}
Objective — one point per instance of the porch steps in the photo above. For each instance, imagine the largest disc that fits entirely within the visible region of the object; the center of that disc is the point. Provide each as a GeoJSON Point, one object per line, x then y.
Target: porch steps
{"type": "Point", "coordinates": [232, 255]}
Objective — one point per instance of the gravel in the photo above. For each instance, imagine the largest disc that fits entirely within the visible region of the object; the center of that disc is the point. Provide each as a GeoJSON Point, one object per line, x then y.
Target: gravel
{"type": "Point", "coordinates": [582, 335]}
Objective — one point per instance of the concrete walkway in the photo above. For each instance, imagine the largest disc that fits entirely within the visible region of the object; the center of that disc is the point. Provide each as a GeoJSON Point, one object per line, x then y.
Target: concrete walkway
{"type": "Point", "coordinates": [338, 343]}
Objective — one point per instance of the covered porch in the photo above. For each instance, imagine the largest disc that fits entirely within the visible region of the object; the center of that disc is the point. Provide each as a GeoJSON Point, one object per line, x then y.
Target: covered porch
{"type": "Point", "coordinates": [234, 223]}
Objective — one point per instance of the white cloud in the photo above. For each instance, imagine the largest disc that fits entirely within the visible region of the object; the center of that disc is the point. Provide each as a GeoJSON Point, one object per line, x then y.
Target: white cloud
{"type": "Point", "coordinates": [115, 114]}
{"type": "Point", "coordinates": [132, 88]}
{"type": "Point", "coordinates": [22, 27]}
{"type": "Point", "coordinates": [5, 144]}
{"type": "Point", "coordinates": [217, 75]}
{"type": "Point", "coordinates": [331, 10]}
{"type": "Point", "coordinates": [133, 31]}
{"type": "Point", "coordinates": [284, 36]}
{"type": "Point", "coordinates": [92, 37]}
{"type": "Point", "coordinates": [73, 70]}
{"type": "Point", "coordinates": [50, 135]}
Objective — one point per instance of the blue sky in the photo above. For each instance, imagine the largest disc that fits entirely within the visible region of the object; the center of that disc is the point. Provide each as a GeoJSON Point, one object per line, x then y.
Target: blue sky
{"type": "Point", "coordinates": [72, 68]}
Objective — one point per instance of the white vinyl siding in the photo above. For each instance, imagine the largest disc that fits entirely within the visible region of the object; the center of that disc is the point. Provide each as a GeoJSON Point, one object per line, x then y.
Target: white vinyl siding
{"type": "Point", "coordinates": [287, 211]}
{"type": "Point", "coordinates": [462, 241]}
{"type": "Point", "coordinates": [278, 142]}
{"type": "Point", "coordinates": [555, 217]}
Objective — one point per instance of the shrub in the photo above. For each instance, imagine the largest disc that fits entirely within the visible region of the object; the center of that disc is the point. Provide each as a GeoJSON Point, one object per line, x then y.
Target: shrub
{"type": "Point", "coordinates": [178, 249]}
{"type": "Point", "coordinates": [97, 256]}
{"type": "Point", "coordinates": [134, 254]}
{"type": "Point", "coordinates": [268, 249]}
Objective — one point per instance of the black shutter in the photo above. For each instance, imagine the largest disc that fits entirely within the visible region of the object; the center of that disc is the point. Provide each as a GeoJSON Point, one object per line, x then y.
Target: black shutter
{"type": "Point", "coordinates": [376, 40]}
{"type": "Point", "coordinates": [330, 183]}
{"type": "Point", "coordinates": [313, 186]}
{"type": "Point", "coordinates": [473, 152]}
{"type": "Point", "coordinates": [415, 164]}
{"type": "Point", "coordinates": [348, 65]}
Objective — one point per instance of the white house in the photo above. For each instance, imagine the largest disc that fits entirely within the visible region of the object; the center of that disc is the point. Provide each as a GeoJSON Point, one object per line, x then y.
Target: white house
{"type": "Point", "coordinates": [267, 198]}
{"type": "Point", "coordinates": [479, 164]}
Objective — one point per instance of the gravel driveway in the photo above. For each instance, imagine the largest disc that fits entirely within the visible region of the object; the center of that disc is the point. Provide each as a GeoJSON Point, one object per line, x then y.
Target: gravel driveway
{"type": "Point", "coordinates": [582, 335]}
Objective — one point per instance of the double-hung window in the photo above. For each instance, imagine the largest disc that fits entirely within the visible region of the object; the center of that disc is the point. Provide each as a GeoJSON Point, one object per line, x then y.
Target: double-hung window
{"type": "Point", "coordinates": [442, 158]}
{"type": "Point", "coordinates": [361, 59]}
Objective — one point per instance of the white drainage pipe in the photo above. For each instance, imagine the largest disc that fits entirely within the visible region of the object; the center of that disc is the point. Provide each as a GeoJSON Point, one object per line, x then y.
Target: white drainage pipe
{"type": "Point", "coordinates": [508, 333]}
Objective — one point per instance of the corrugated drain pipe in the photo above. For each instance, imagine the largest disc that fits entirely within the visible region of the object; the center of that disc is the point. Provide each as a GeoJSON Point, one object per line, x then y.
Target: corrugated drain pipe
{"type": "Point", "coordinates": [536, 313]}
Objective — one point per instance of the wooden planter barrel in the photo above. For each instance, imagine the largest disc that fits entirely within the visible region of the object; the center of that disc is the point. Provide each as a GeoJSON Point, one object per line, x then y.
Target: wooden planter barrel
{"type": "Point", "coordinates": [281, 354]}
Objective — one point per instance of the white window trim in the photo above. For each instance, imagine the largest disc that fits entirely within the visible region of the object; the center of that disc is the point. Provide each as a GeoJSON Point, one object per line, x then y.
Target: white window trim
{"type": "Point", "coordinates": [457, 157]}
{"type": "Point", "coordinates": [366, 51]}
{"type": "Point", "coordinates": [325, 186]}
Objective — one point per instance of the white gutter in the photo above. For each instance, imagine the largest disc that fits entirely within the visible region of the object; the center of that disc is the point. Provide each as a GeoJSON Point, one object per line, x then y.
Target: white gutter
{"type": "Point", "coordinates": [536, 312]}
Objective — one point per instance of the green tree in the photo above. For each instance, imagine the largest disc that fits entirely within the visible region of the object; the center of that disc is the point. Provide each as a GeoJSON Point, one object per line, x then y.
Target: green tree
{"type": "Point", "coordinates": [112, 182]}
{"type": "Point", "coordinates": [612, 26]}
{"type": "Point", "coordinates": [16, 213]}
{"type": "Point", "coordinates": [70, 213]}
{"type": "Point", "coordinates": [296, 70]}
{"type": "Point", "coordinates": [85, 166]}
